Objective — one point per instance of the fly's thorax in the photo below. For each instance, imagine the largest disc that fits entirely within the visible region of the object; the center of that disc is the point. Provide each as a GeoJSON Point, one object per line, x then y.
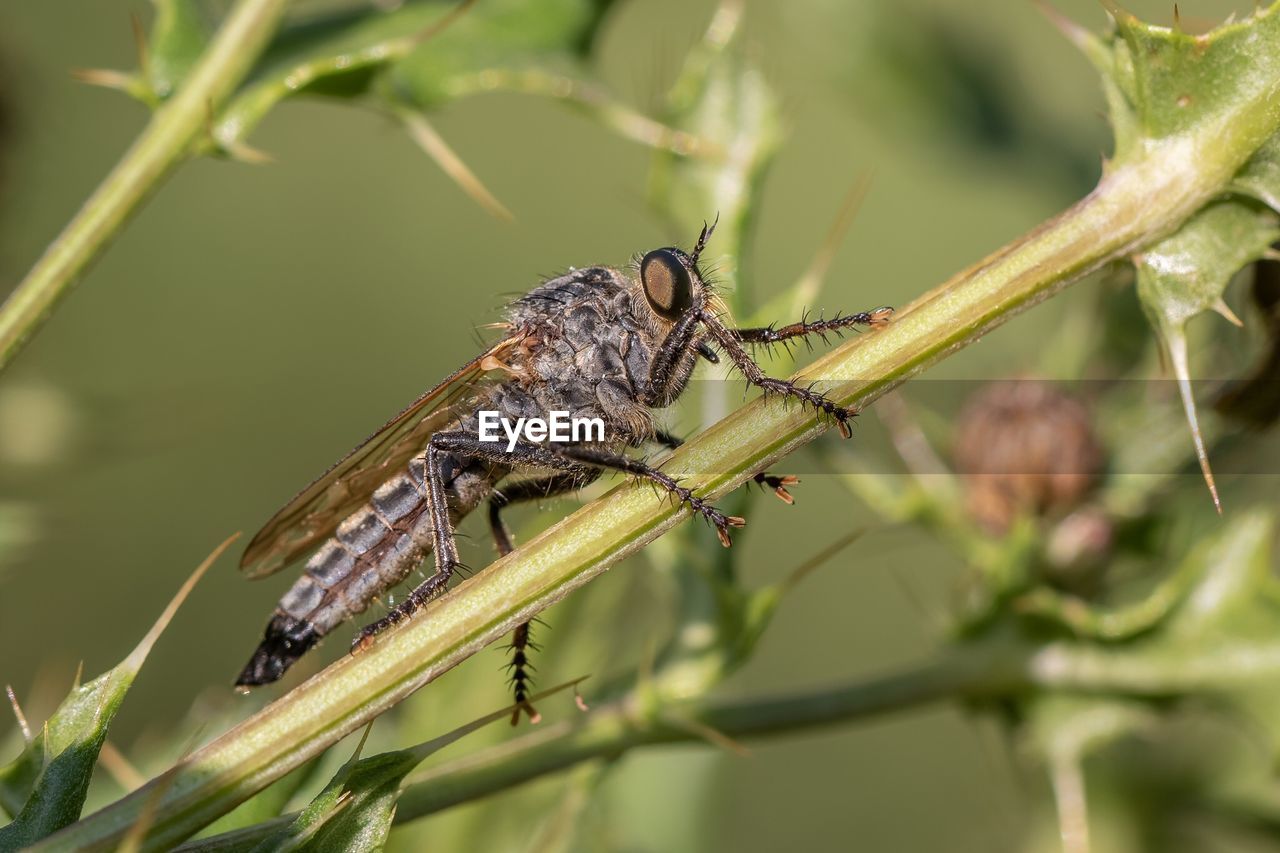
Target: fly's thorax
{"type": "Point", "coordinates": [592, 341]}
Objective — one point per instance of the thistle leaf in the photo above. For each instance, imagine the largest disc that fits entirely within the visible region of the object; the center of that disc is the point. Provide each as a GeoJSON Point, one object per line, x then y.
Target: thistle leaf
{"type": "Point", "coordinates": [1236, 595]}
{"type": "Point", "coordinates": [1260, 177]}
{"type": "Point", "coordinates": [1186, 274]}
{"type": "Point", "coordinates": [46, 785]}
{"type": "Point", "coordinates": [1164, 88]}
{"type": "Point", "coordinates": [355, 810]}
{"type": "Point", "coordinates": [357, 53]}
{"type": "Point", "coordinates": [179, 35]}
{"type": "Point", "coordinates": [1162, 82]}
{"type": "Point", "coordinates": [268, 804]}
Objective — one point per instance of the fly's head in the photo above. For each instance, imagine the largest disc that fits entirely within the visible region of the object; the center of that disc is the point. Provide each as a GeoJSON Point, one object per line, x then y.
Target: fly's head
{"type": "Point", "coordinates": [673, 298]}
{"type": "Point", "coordinates": [672, 283]}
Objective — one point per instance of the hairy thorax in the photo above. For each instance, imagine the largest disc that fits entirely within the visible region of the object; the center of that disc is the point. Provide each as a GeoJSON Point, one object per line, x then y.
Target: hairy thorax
{"type": "Point", "coordinates": [587, 342]}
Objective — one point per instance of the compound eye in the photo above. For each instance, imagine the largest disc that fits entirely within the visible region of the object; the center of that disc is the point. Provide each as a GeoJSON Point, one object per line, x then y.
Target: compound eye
{"type": "Point", "coordinates": [667, 283]}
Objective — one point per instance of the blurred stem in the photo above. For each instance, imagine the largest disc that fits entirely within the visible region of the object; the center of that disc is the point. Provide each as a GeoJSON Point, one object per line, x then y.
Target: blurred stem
{"type": "Point", "coordinates": [1138, 201]}
{"type": "Point", "coordinates": [996, 667]}
{"type": "Point", "coordinates": [165, 141]}
{"type": "Point", "coordinates": [616, 728]}
{"type": "Point", "coordinates": [608, 731]}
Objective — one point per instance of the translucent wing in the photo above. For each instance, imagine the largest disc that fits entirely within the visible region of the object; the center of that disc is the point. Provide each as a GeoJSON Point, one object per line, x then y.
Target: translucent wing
{"type": "Point", "coordinates": [314, 513]}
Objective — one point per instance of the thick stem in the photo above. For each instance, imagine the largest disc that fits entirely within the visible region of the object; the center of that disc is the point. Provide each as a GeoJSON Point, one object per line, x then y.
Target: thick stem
{"type": "Point", "coordinates": [1136, 203]}
{"type": "Point", "coordinates": [164, 142]}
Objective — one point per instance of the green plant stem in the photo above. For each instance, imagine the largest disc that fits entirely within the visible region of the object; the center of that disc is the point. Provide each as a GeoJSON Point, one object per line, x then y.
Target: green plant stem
{"type": "Point", "coordinates": [997, 667]}
{"type": "Point", "coordinates": [165, 141]}
{"type": "Point", "coordinates": [1136, 202]}
{"type": "Point", "coordinates": [993, 668]}
{"type": "Point", "coordinates": [614, 729]}
{"type": "Point", "coordinates": [610, 730]}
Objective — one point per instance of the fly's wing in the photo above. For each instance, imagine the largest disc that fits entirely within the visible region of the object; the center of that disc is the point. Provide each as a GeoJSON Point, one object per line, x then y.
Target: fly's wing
{"type": "Point", "coordinates": [314, 513]}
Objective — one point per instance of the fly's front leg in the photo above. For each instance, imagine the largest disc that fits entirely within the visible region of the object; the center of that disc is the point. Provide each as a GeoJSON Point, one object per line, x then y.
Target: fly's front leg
{"type": "Point", "coordinates": [778, 484]}
{"type": "Point", "coordinates": [806, 327]}
{"type": "Point", "coordinates": [578, 458]}
{"type": "Point", "coordinates": [728, 341]}
{"type": "Point", "coordinates": [663, 372]}
{"type": "Point", "coordinates": [529, 490]}
{"type": "Point", "coordinates": [445, 550]}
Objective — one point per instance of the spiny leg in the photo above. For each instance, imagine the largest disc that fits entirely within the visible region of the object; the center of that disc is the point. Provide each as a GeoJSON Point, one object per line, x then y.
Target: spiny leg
{"type": "Point", "coordinates": [570, 458]}
{"type": "Point", "coordinates": [806, 327]}
{"type": "Point", "coordinates": [445, 550]}
{"type": "Point", "coordinates": [729, 342]}
{"type": "Point", "coordinates": [527, 490]}
{"type": "Point", "coordinates": [764, 478]}
{"type": "Point", "coordinates": [664, 376]}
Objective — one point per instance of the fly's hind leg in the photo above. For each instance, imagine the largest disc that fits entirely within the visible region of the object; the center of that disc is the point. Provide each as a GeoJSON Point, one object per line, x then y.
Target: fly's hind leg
{"type": "Point", "coordinates": [763, 479]}
{"type": "Point", "coordinates": [445, 550]}
{"type": "Point", "coordinates": [521, 643]}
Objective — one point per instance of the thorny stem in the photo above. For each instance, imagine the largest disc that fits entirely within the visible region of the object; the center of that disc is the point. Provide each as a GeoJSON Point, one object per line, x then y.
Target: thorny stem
{"type": "Point", "coordinates": [1138, 201]}
{"type": "Point", "coordinates": [993, 668]}
{"type": "Point", "coordinates": [613, 729]}
{"type": "Point", "coordinates": [608, 731]}
{"type": "Point", "coordinates": [997, 667]}
{"type": "Point", "coordinates": [160, 147]}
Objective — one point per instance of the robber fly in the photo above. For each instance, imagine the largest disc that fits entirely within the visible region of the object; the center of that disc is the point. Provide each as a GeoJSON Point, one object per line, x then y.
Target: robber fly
{"type": "Point", "coordinates": [600, 342]}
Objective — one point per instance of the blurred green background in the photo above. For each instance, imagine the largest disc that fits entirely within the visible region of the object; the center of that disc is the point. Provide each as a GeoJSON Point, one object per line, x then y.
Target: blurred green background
{"type": "Point", "coordinates": [254, 322]}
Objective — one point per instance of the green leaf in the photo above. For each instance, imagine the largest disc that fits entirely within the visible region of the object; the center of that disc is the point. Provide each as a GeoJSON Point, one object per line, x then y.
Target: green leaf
{"type": "Point", "coordinates": [179, 35]}
{"type": "Point", "coordinates": [46, 785]}
{"type": "Point", "coordinates": [1260, 177]}
{"type": "Point", "coordinates": [1187, 273]}
{"type": "Point", "coordinates": [497, 35]}
{"type": "Point", "coordinates": [1166, 88]}
{"type": "Point", "coordinates": [267, 804]}
{"type": "Point", "coordinates": [1236, 596]}
{"type": "Point", "coordinates": [423, 53]}
{"type": "Point", "coordinates": [355, 810]}
{"type": "Point", "coordinates": [1162, 82]}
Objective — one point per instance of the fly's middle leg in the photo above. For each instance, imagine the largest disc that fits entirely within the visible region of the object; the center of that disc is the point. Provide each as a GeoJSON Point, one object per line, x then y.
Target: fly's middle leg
{"type": "Point", "coordinates": [571, 458]}
{"type": "Point", "coordinates": [521, 642]}
{"type": "Point", "coordinates": [764, 478]}
{"type": "Point", "coordinates": [532, 490]}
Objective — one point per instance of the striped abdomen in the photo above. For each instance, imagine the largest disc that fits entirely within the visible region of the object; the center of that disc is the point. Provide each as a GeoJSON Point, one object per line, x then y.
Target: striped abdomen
{"type": "Point", "coordinates": [373, 550]}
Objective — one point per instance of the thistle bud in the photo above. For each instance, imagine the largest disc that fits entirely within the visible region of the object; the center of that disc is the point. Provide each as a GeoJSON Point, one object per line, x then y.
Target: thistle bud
{"type": "Point", "coordinates": [1024, 447]}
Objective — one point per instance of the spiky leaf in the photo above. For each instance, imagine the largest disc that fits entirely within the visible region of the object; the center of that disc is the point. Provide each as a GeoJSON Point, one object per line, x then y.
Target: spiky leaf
{"type": "Point", "coordinates": [1260, 177]}
{"type": "Point", "coordinates": [355, 810]}
{"type": "Point", "coordinates": [1186, 274]}
{"type": "Point", "coordinates": [1163, 83]}
{"type": "Point", "coordinates": [46, 785]}
{"type": "Point", "coordinates": [179, 35]}
{"type": "Point", "coordinates": [424, 53]}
